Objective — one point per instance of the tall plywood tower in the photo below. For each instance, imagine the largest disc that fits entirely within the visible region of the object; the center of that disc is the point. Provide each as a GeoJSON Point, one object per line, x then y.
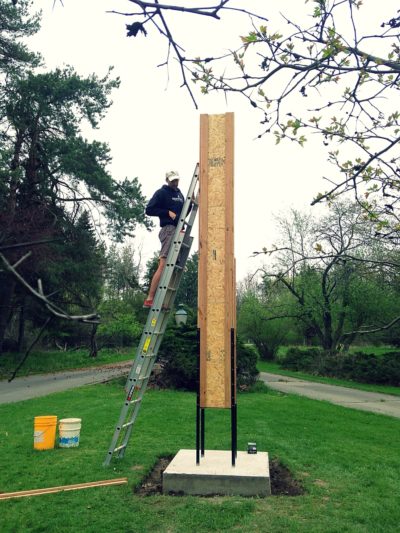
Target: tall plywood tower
{"type": "Point", "coordinates": [217, 311]}
{"type": "Point", "coordinates": [248, 473]}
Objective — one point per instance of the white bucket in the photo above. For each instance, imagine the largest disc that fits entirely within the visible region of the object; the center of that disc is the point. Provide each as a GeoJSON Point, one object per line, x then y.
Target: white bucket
{"type": "Point", "coordinates": [69, 432]}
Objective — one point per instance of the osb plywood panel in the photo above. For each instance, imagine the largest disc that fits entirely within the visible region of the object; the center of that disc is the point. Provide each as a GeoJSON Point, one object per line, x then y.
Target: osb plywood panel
{"type": "Point", "coordinates": [216, 262]}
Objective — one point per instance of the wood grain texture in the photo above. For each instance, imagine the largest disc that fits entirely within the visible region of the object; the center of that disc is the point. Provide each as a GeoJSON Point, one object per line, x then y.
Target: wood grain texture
{"type": "Point", "coordinates": [63, 488]}
{"type": "Point", "coordinates": [216, 315]}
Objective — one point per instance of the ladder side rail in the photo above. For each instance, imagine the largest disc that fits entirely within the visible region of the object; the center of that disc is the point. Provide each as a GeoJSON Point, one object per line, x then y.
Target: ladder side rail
{"type": "Point", "coordinates": [147, 368]}
{"type": "Point", "coordinates": [133, 379]}
{"type": "Point", "coordinates": [138, 361]}
{"type": "Point", "coordinates": [142, 390]}
{"type": "Point", "coordinates": [156, 336]}
{"type": "Point", "coordinates": [117, 432]}
{"type": "Point", "coordinates": [132, 420]}
{"type": "Point", "coordinates": [143, 385]}
{"type": "Point", "coordinates": [175, 250]}
{"type": "Point", "coordinates": [132, 402]}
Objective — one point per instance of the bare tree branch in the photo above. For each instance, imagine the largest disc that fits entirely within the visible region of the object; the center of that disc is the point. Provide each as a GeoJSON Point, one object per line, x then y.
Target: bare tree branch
{"type": "Point", "coordinates": [374, 330]}
{"type": "Point", "coordinates": [29, 243]}
{"type": "Point", "coordinates": [155, 12]}
{"type": "Point", "coordinates": [39, 295]}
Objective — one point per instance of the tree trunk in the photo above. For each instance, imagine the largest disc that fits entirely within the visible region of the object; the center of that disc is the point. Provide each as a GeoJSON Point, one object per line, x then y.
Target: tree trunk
{"type": "Point", "coordinates": [93, 341]}
{"type": "Point", "coordinates": [6, 309]}
{"type": "Point", "coordinates": [328, 344]}
{"type": "Point", "coordinates": [21, 326]}
{"type": "Point", "coordinates": [343, 312]}
{"type": "Point", "coordinates": [7, 291]}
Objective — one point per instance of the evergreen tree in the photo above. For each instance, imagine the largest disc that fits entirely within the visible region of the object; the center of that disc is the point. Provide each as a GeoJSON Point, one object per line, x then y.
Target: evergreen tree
{"type": "Point", "coordinates": [51, 178]}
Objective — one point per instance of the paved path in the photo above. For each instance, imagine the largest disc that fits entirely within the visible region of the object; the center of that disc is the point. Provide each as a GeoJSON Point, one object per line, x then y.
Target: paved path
{"type": "Point", "coordinates": [356, 399]}
{"type": "Point", "coordinates": [42, 384]}
{"type": "Point", "coordinates": [28, 387]}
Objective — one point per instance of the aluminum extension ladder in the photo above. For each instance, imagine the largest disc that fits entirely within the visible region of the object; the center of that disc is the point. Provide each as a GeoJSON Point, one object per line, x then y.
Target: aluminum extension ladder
{"type": "Point", "coordinates": [156, 323]}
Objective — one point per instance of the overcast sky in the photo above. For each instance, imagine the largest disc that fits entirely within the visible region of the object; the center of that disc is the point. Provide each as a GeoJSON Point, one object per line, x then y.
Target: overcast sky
{"type": "Point", "coordinates": [153, 126]}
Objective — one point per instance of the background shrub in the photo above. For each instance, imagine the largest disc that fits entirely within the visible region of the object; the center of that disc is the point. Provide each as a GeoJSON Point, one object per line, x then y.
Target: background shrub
{"type": "Point", "coordinates": [120, 326]}
{"type": "Point", "coordinates": [246, 364]}
{"type": "Point", "coordinates": [178, 357]}
{"type": "Point", "coordinates": [298, 359]}
{"type": "Point", "coordinates": [358, 366]}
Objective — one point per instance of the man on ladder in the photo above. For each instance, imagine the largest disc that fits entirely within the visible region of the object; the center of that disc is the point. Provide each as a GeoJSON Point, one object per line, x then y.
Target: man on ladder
{"type": "Point", "coordinates": [166, 204]}
{"type": "Point", "coordinates": [171, 269]}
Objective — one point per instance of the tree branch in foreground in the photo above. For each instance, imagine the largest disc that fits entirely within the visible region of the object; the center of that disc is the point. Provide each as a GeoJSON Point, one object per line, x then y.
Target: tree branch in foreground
{"type": "Point", "coordinates": [39, 295]}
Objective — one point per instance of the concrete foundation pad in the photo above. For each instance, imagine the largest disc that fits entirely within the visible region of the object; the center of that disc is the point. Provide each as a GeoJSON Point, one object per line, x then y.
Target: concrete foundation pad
{"type": "Point", "coordinates": [216, 475]}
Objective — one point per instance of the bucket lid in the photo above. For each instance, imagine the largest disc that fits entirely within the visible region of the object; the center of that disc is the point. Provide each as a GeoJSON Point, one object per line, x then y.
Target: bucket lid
{"type": "Point", "coordinates": [70, 420]}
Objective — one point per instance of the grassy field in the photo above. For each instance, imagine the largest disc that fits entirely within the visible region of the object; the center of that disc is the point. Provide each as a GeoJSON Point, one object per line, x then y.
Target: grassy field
{"type": "Point", "coordinates": [347, 460]}
{"type": "Point", "coordinates": [274, 368]}
{"type": "Point", "coordinates": [56, 361]}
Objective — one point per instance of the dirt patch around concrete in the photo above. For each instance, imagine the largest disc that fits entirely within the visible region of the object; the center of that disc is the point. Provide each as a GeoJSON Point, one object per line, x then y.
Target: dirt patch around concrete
{"type": "Point", "coordinates": [282, 481]}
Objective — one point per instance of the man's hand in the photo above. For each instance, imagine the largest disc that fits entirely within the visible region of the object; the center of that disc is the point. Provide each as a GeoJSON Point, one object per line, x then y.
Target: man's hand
{"type": "Point", "coordinates": [172, 215]}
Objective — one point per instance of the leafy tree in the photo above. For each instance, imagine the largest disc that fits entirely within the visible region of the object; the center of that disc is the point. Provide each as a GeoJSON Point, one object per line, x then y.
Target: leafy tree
{"type": "Point", "coordinates": [74, 269]}
{"type": "Point", "coordinates": [257, 325]}
{"type": "Point", "coordinates": [16, 23]}
{"type": "Point", "coordinates": [45, 160]}
{"type": "Point", "coordinates": [187, 292]}
{"type": "Point", "coordinates": [332, 269]}
{"type": "Point", "coordinates": [122, 310]}
{"type": "Point", "coordinates": [50, 176]}
{"type": "Point", "coordinates": [120, 325]}
{"type": "Point", "coordinates": [123, 272]}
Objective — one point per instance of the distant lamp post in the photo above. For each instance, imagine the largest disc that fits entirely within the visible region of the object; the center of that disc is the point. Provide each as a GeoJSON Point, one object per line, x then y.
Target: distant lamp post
{"type": "Point", "coordinates": [181, 316]}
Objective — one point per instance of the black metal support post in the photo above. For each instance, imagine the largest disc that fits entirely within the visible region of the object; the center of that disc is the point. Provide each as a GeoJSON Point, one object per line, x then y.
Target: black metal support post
{"type": "Point", "coordinates": [202, 429]}
{"type": "Point", "coordinates": [198, 418]}
{"type": "Point", "coordinates": [233, 401]}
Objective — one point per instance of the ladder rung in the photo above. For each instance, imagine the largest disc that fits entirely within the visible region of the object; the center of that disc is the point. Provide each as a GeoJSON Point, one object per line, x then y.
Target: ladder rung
{"type": "Point", "coordinates": [134, 401]}
{"type": "Point", "coordinates": [119, 448]}
{"type": "Point", "coordinates": [144, 377]}
{"type": "Point", "coordinates": [128, 424]}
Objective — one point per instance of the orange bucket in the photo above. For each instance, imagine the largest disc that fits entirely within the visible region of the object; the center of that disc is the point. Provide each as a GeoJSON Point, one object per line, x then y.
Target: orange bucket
{"type": "Point", "coordinates": [44, 432]}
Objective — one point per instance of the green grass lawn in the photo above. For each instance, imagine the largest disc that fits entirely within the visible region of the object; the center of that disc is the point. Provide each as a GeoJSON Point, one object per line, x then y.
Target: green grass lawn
{"type": "Point", "coordinates": [56, 361]}
{"type": "Point", "coordinates": [348, 461]}
{"type": "Point", "coordinates": [274, 368]}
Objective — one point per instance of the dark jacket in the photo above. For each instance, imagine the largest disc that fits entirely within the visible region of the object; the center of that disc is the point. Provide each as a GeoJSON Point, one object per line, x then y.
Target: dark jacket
{"type": "Point", "coordinates": [164, 200]}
